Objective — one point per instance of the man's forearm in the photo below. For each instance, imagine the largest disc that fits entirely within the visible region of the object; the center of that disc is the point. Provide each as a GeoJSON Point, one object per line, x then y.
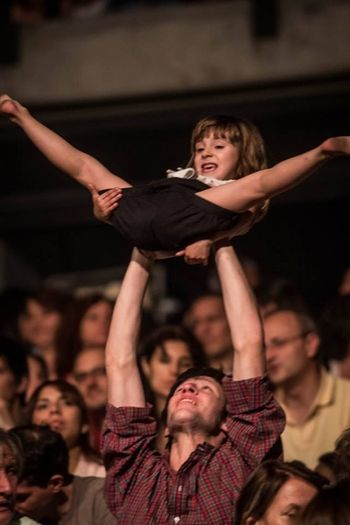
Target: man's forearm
{"type": "Point", "coordinates": [242, 315]}
{"type": "Point", "coordinates": [124, 383]}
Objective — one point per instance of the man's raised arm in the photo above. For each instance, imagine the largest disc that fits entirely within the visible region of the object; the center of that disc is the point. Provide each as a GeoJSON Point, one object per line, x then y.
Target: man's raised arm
{"type": "Point", "coordinates": [242, 315]}
{"type": "Point", "coordinates": [124, 382]}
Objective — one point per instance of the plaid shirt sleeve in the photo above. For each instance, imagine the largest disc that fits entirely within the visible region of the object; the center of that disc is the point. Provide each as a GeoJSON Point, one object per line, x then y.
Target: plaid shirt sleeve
{"type": "Point", "coordinates": [255, 420]}
{"type": "Point", "coordinates": [127, 436]}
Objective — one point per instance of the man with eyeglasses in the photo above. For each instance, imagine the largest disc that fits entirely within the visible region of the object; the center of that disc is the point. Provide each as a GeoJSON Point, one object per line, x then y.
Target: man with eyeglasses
{"type": "Point", "coordinates": [317, 404]}
{"type": "Point", "coordinates": [89, 376]}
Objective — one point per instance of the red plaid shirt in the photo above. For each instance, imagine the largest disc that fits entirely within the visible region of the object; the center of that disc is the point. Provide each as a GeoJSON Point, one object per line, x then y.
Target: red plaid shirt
{"type": "Point", "coordinates": [142, 489]}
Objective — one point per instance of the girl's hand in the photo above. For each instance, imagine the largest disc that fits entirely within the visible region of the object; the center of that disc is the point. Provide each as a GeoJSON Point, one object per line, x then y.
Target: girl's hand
{"type": "Point", "coordinates": [197, 253]}
{"type": "Point", "coordinates": [11, 108]}
{"type": "Point", "coordinates": [106, 203]}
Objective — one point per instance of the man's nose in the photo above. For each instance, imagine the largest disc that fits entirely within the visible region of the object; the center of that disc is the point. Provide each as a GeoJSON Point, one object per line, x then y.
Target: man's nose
{"type": "Point", "coordinates": [5, 485]}
{"type": "Point", "coordinates": [189, 388]}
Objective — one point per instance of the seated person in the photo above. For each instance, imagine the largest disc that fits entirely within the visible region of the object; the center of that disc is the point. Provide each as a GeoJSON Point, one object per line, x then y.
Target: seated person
{"type": "Point", "coordinates": [10, 470]}
{"type": "Point", "coordinates": [276, 493]}
{"type": "Point", "coordinates": [47, 491]}
{"type": "Point", "coordinates": [59, 404]}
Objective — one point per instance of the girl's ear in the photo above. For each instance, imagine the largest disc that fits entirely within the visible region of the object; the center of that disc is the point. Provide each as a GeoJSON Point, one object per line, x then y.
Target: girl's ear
{"type": "Point", "coordinates": [145, 367]}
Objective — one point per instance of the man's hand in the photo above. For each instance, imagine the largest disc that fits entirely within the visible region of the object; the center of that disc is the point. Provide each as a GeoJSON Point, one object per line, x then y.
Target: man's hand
{"type": "Point", "coordinates": [197, 253]}
{"type": "Point", "coordinates": [11, 108]}
{"type": "Point", "coordinates": [104, 204]}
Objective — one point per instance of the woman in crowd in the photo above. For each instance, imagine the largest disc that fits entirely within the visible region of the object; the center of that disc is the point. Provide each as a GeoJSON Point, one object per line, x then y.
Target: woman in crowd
{"type": "Point", "coordinates": [39, 322]}
{"type": "Point", "coordinates": [60, 405]}
{"type": "Point", "coordinates": [85, 325]}
{"type": "Point", "coordinates": [276, 493]}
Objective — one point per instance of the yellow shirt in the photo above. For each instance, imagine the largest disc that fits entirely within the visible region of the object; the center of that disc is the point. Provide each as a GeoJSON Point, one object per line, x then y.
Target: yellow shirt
{"type": "Point", "coordinates": [328, 417]}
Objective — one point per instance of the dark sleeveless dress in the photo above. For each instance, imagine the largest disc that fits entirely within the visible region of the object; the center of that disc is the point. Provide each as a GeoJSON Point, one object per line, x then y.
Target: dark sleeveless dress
{"type": "Point", "coordinates": [167, 215]}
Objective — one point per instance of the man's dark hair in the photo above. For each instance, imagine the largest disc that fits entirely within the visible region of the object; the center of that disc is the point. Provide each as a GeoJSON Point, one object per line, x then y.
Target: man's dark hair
{"type": "Point", "coordinates": [44, 454]}
{"type": "Point", "coordinates": [217, 375]}
{"type": "Point", "coordinates": [14, 354]}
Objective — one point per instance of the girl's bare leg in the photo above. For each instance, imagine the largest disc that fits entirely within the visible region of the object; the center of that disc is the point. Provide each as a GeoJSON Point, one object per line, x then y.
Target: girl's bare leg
{"type": "Point", "coordinates": [254, 189]}
{"type": "Point", "coordinates": [79, 165]}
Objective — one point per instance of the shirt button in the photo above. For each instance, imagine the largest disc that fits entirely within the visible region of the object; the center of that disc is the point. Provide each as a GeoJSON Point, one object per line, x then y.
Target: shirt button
{"type": "Point", "coordinates": [177, 519]}
{"type": "Point", "coordinates": [179, 489]}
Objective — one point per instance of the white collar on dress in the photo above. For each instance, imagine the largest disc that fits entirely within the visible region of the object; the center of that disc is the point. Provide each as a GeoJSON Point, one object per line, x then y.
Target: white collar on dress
{"type": "Point", "coordinates": [189, 173]}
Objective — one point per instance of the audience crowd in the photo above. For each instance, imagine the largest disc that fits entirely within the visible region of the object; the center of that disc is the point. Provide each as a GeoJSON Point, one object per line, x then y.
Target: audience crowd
{"type": "Point", "coordinates": [35, 11]}
{"type": "Point", "coordinates": [54, 391]}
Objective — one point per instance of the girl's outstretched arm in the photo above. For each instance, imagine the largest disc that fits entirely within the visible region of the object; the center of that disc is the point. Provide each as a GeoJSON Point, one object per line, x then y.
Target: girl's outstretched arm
{"type": "Point", "coordinates": [242, 194]}
{"type": "Point", "coordinates": [79, 165]}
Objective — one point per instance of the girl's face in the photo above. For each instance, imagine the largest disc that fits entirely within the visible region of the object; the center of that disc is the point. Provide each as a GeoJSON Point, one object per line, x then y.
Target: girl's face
{"type": "Point", "coordinates": [57, 410]}
{"type": "Point", "coordinates": [165, 365]}
{"type": "Point", "coordinates": [216, 157]}
{"type": "Point", "coordinates": [94, 325]}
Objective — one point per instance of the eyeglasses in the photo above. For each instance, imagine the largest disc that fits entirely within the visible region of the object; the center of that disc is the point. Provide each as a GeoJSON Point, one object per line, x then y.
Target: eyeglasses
{"type": "Point", "coordinates": [280, 342]}
{"type": "Point", "coordinates": [99, 371]}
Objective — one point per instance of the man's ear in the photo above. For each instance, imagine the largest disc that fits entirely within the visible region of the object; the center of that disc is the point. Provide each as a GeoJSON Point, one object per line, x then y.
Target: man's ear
{"type": "Point", "coordinates": [312, 343]}
{"type": "Point", "coordinates": [55, 484]}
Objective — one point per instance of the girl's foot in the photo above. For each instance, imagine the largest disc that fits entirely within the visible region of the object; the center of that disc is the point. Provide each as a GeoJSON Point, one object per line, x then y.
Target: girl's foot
{"type": "Point", "coordinates": [337, 146]}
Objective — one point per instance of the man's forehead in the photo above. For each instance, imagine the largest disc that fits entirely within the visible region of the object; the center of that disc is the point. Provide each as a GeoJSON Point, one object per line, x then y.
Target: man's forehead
{"type": "Point", "coordinates": [281, 319]}
{"type": "Point", "coordinates": [6, 456]}
{"type": "Point", "coordinates": [201, 380]}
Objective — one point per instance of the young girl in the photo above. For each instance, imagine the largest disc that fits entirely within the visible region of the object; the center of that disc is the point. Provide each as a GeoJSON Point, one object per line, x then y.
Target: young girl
{"type": "Point", "coordinates": [186, 213]}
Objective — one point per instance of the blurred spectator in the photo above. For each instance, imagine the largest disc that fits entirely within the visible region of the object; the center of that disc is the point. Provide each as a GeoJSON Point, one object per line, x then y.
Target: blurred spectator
{"type": "Point", "coordinates": [206, 318]}
{"type": "Point", "coordinates": [276, 493]}
{"type": "Point", "coordinates": [84, 325]}
{"type": "Point", "coordinates": [164, 355]}
{"type": "Point", "coordinates": [335, 331]}
{"type": "Point", "coordinates": [13, 380]}
{"type": "Point", "coordinates": [11, 463]}
{"type": "Point", "coordinates": [317, 404]}
{"type": "Point", "coordinates": [89, 376]}
{"type": "Point", "coordinates": [329, 507]}
{"type": "Point", "coordinates": [47, 491]}
{"type": "Point", "coordinates": [39, 322]}
{"type": "Point", "coordinates": [60, 405]}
